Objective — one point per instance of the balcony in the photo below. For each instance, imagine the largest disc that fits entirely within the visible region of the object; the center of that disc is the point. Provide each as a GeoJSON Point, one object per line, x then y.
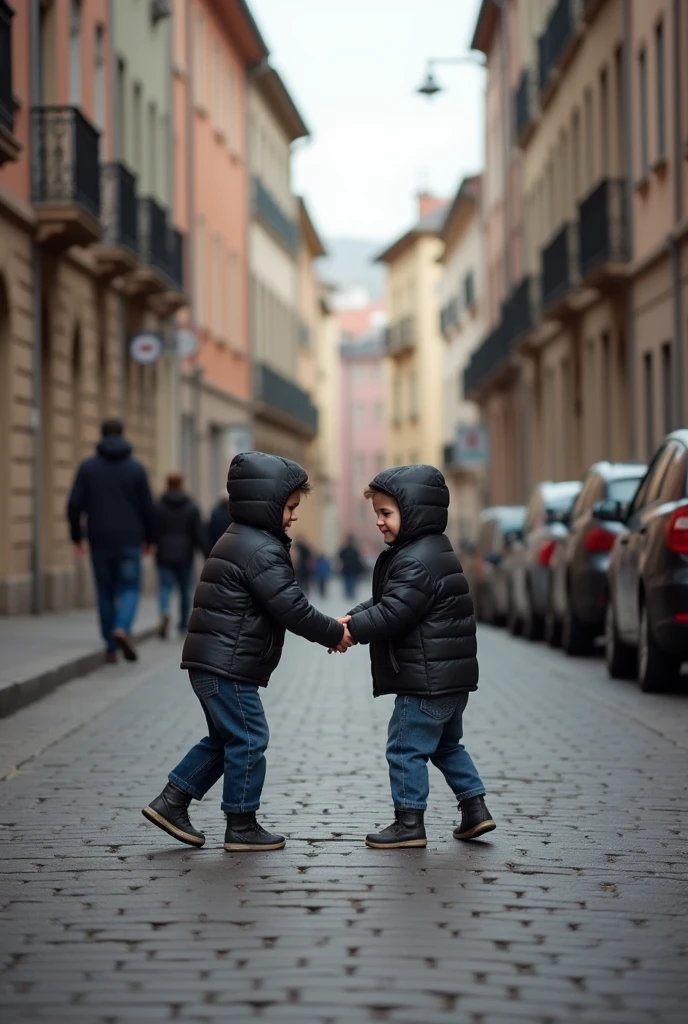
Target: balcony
{"type": "Point", "coordinates": [283, 402]}
{"type": "Point", "coordinates": [10, 147]}
{"type": "Point", "coordinates": [488, 360]}
{"type": "Point", "coordinates": [118, 252]}
{"type": "Point", "coordinates": [559, 272]}
{"type": "Point", "coordinates": [521, 312]}
{"type": "Point", "coordinates": [603, 234]}
{"type": "Point", "coordinates": [525, 104]}
{"type": "Point", "coordinates": [557, 41]}
{"type": "Point", "coordinates": [65, 177]}
{"type": "Point", "coordinates": [271, 215]}
{"type": "Point", "coordinates": [400, 337]}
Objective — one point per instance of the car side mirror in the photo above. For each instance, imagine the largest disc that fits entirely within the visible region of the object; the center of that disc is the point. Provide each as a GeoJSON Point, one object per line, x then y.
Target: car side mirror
{"type": "Point", "coordinates": [609, 511]}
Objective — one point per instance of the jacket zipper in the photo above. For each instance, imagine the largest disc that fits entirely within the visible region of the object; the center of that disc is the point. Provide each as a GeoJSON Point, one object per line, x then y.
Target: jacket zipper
{"type": "Point", "coordinates": [395, 663]}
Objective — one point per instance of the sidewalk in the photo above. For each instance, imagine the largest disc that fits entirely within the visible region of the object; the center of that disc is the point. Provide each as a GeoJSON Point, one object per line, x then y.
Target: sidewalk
{"type": "Point", "coordinates": [40, 653]}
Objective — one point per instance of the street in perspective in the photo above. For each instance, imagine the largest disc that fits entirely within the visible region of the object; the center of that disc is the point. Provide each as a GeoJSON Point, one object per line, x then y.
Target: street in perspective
{"type": "Point", "coordinates": [344, 519]}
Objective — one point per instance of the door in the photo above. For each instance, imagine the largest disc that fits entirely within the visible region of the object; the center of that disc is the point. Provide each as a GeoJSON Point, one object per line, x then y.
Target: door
{"type": "Point", "coordinates": [633, 541]}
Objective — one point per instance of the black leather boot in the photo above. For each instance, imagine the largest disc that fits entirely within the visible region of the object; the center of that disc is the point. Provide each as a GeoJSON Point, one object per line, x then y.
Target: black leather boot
{"type": "Point", "coordinates": [476, 820]}
{"type": "Point", "coordinates": [170, 812]}
{"type": "Point", "coordinates": [407, 829]}
{"type": "Point", "coordinates": [244, 833]}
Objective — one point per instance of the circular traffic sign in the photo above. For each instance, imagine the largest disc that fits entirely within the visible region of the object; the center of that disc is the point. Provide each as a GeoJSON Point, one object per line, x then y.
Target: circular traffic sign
{"type": "Point", "coordinates": [186, 342]}
{"type": "Point", "coordinates": [145, 347]}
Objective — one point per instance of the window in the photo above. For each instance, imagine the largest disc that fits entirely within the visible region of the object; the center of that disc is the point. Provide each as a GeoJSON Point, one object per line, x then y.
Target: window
{"type": "Point", "coordinates": [217, 319]}
{"type": "Point", "coordinates": [218, 120]}
{"type": "Point", "coordinates": [667, 403]}
{"type": "Point", "coordinates": [201, 278]}
{"type": "Point", "coordinates": [200, 71]}
{"type": "Point", "coordinates": [236, 319]}
{"type": "Point", "coordinates": [396, 398]}
{"type": "Point", "coordinates": [152, 149]}
{"type": "Point", "coordinates": [137, 151]}
{"type": "Point", "coordinates": [413, 393]}
{"type": "Point", "coordinates": [121, 109]}
{"type": "Point", "coordinates": [589, 139]}
{"type": "Point", "coordinates": [622, 490]}
{"type": "Point", "coordinates": [642, 86]}
{"type": "Point", "coordinates": [604, 122]}
{"type": "Point", "coordinates": [99, 79]}
{"type": "Point", "coordinates": [606, 384]}
{"type": "Point", "coordinates": [233, 112]}
{"type": "Point", "coordinates": [75, 53]}
{"type": "Point", "coordinates": [661, 112]}
{"type": "Point", "coordinates": [648, 388]}
{"type": "Point", "coordinates": [575, 154]}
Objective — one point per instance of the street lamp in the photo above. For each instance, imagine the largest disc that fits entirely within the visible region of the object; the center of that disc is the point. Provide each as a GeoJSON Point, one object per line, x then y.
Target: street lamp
{"type": "Point", "coordinates": [430, 84]}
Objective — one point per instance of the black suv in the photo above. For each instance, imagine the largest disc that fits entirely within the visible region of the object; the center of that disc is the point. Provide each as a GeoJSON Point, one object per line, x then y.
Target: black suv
{"type": "Point", "coordinates": [646, 629]}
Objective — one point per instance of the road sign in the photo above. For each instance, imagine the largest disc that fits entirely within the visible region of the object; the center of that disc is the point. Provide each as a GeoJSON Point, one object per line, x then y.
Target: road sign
{"type": "Point", "coordinates": [146, 347]}
{"type": "Point", "coordinates": [472, 446]}
{"type": "Point", "coordinates": [186, 342]}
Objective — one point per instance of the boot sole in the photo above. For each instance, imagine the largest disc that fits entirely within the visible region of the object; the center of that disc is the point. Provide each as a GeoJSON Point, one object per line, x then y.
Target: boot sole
{"type": "Point", "coordinates": [477, 830]}
{"type": "Point", "coordinates": [237, 847]}
{"type": "Point", "coordinates": [172, 830]}
{"type": "Point", "coordinates": [396, 846]}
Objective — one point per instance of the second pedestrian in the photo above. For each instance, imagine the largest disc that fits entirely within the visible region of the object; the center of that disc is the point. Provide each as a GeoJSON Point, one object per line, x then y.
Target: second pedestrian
{"type": "Point", "coordinates": [180, 534]}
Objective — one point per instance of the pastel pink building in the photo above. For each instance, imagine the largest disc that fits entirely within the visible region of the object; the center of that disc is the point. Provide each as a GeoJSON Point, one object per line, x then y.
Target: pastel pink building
{"type": "Point", "coordinates": [362, 436]}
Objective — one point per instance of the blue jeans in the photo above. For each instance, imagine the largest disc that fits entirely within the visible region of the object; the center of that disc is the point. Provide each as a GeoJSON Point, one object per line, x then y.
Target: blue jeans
{"type": "Point", "coordinates": [168, 576]}
{"type": "Point", "coordinates": [423, 728]}
{"type": "Point", "coordinates": [235, 746]}
{"type": "Point", "coordinates": [350, 580]}
{"type": "Point", "coordinates": [118, 582]}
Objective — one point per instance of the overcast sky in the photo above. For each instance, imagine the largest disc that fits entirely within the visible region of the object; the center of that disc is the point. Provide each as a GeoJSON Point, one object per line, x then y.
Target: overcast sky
{"type": "Point", "coordinates": [352, 67]}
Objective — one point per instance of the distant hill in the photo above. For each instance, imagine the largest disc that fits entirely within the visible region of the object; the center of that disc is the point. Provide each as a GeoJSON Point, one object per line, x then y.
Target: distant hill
{"type": "Point", "coordinates": [349, 266]}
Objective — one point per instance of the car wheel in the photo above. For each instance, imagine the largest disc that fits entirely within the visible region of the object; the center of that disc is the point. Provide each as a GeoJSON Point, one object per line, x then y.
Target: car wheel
{"type": "Point", "coordinates": [619, 657]}
{"type": "Point", "coordinates": [576, 640]}
{"type": "Point", "coordinates": [532, 624]}
{"type": "Point", "coordinates": [552, 629]}
{"type": "Point", "coordinates": [657, 670]}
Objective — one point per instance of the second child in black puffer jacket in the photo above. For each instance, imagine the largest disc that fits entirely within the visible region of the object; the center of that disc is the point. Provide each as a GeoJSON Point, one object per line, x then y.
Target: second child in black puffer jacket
{"type": "Point", "coordinates": [421, 630]}
{"type": "Point", "coordinates": [246, 599]}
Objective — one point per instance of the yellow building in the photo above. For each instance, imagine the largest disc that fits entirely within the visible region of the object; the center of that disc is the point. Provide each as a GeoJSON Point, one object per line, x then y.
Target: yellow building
{"type": "Point", "coordinates": [415, 348]}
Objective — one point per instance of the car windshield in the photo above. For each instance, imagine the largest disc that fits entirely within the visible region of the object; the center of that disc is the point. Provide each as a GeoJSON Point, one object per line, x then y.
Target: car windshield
{"type": "Point", "coordinates": [512, 520]}
{"type": "Point", "coordinates": [562, 500]}
{"type": "Point", "coordinates": [623, 490]}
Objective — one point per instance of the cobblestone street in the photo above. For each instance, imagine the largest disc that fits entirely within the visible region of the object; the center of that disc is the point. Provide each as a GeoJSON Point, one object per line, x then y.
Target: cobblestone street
{"type": "Point", "coordinates": [576, 910]}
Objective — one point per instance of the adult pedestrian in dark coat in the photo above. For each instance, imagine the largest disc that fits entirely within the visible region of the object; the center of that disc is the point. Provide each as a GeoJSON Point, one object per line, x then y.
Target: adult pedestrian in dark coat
{"type": "Point", "coordinates": [112, 493]}
{"type": "Point", "coordinates": [180, 534]}
{"type": "Point", "coordinates": [351, 565]}
{"type": "Point", "coordinates": [219, 522]}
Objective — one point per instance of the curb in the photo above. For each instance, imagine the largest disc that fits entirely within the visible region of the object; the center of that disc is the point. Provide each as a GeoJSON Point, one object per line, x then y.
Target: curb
{"type": "Point", "coordinates": [26, 691]}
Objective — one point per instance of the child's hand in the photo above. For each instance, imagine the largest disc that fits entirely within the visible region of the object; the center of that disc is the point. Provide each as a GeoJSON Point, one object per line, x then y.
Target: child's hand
{"type": "Point", "coordinates": [347, 641]}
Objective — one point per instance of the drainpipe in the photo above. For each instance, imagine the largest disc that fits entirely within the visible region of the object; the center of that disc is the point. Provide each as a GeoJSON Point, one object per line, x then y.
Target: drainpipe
{"type": "Point", "coordinates": [628, 210]}
{"type": "Point", "coordinates": [197, 371]}
{"type": "Point", "coordinates": [37, 388]}
{"type": "Point", "coordinates": [677, 419]}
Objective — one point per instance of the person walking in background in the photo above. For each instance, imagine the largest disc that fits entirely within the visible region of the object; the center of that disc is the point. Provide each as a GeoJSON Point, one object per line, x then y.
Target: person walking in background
{"type": "Point", "coordinates": [323, 571]}
{"type": "Point", "coordinates": [351, 565]}
{"type": "Point", "coordinates": [179, 533]}
{"type": "Point", "coordinates": [303, 565]}
{"type": "Point", "coordinates": [219, 522]}
{"type": "Point", "coordinates": [111, 490]}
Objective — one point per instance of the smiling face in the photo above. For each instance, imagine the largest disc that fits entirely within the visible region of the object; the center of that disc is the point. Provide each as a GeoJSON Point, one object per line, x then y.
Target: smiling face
{"type": "Point", "coordinates": [289, 515]}
{"type": "Point", "coordinates": [388, 516]}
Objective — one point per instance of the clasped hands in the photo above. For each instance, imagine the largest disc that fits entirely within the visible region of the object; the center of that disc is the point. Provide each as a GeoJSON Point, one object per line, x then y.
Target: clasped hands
{"type": "Point", "coordinates": [347, 641]}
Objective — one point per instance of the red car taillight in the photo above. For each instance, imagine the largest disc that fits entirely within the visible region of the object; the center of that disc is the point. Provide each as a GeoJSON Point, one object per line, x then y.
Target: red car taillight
{"type": "Point", "coordinates": [677, 531]}
{"type": "Point", "coordinates": [546, 551]}
{"type": "Point", "coordinates": [599, 541]}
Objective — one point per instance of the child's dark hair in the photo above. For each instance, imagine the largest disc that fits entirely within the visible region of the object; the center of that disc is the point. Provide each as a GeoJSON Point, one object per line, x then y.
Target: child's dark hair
{"type": "Point", "coordinates": [370, 492]}
{"type": "Point", "coordinates": [306, 488]}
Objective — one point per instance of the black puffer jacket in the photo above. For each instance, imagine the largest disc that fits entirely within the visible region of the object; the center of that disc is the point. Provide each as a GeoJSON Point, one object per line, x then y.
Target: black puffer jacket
{"type": "Point", "coordinates": [179, 529]}
{"type": "Point", "coordinates": [419, 622]}
{"type": "Point", "coordinates": [247, 596]}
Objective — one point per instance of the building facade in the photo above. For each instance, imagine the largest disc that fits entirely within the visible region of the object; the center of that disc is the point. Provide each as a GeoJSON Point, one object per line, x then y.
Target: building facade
{"type": "Point", "coordinates": [462, 324]}
{"type": "Point", "coordinates": [363, 441]}
{"type": "Point", "coordinates": [414, 345]}
{"type": "Point", "coordinates": [84, 267]}
{"type": "Point", "coordinates": [215, 47]}
{"type": "Point", "coordinates": [285, 418]}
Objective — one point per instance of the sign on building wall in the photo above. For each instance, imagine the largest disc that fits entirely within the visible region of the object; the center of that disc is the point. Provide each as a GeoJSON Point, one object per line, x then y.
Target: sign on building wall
{"type": "Point", "coordinates": [472, 446]}
{"type": "Point", "coordinates": [146, 347]}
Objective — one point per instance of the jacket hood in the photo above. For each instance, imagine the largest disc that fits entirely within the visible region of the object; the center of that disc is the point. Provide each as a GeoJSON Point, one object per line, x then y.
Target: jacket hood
{"type": "Point", "coordinates": [258, 486]}
{"type": "Point", "coordinates": [175, 498]}
{"type": "Point", "coordinates": [114, 448]}
{"type": "Point", "coordinates": [422, 496]}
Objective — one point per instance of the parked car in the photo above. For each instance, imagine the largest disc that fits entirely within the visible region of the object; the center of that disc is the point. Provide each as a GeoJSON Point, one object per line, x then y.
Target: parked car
{"type": "Point", "coordinates": [578, 568]}
{"type": "Point", "coordinates": [499, 528]}
{"type": "Point", "coordinates": [527, 564]}
{"type": "Point", "coordinates": [646, 631]}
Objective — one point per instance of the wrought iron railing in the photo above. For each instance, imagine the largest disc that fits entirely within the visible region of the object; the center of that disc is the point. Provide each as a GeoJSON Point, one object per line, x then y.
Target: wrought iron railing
{"type": "Point", "coordinates": [560, 264]}
{"type": "Point", "coordinates": [524, 103]}
{"type": "Point", "coordinates": [269, 211]}
{"type": "Point", "coordinates": [6, 97]}
{"type": "Point", "coordinates": [64, 158]}
{"type": "Point", "coordinates": [119, 207]}
{"type": "Point", "coordinates": [521, 311]}
{"type": "Point", "coordinates": [602, 225]}
{"type": "Point", "coordinates": [284, 396]}
{"type": "Point", "coordinates": [486, 360]}
{"type": "Point", "coordinates": [153, 235]}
